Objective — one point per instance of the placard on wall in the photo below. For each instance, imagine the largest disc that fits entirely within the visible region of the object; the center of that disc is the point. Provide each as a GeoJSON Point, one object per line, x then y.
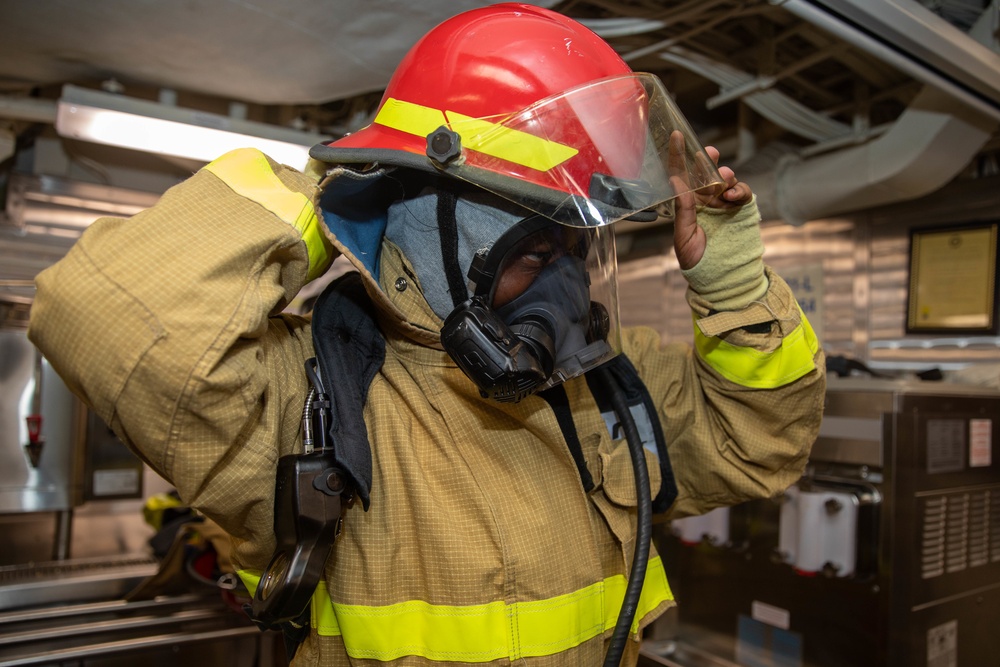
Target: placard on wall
{"type": "Point", "coordinates": [807, 286]}
{"type": "Point", "coordinates": [953, 280]}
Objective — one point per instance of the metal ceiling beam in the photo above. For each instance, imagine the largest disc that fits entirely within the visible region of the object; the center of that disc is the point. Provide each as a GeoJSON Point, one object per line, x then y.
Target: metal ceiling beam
{"type": "Point", "coordinates": [915, 41]}
{"type": "Point", "coordinates": [771, 104]}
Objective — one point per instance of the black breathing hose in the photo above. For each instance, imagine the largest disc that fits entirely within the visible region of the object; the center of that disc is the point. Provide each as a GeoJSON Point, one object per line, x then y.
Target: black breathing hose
{"type": "Point", "coordinates": [644, 522]}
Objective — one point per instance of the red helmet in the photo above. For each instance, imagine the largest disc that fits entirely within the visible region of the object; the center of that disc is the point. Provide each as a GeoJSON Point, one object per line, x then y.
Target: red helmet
{"type": "Point", "coordinates": [531, 105]}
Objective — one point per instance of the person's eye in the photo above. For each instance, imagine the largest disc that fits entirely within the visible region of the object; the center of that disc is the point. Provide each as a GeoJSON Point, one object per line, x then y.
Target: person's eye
{"type": "Point", "coordinates": [536, 258]}
{"type": "Point", "coordinates": [536, 253]}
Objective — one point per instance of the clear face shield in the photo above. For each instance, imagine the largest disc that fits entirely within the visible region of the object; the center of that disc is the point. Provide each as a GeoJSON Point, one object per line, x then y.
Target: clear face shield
{"type": "Point", "coordinates": [545, 305]}
{"type": "Point", "coordinates": [598, 153]}
{"type": "Point", "coordinates": [544, 309]}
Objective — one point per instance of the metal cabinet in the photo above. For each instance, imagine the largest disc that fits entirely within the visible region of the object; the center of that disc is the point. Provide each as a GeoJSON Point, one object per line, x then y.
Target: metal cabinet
{"type": "Point", "coordinates": [885, 554]}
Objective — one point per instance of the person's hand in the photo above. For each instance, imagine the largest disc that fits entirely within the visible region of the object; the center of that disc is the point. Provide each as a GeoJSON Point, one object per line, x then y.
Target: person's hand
{"type": "Point", "coordinates": [689, 237]}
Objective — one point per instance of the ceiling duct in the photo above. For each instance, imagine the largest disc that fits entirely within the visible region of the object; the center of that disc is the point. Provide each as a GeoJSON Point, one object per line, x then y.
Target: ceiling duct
{"type": "Point", "coordinates": [930, 144]}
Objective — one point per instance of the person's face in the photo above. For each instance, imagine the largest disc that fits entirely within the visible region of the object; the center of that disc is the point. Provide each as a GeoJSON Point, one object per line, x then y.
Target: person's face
{"type": "Point", "coordinates": [528, 258]}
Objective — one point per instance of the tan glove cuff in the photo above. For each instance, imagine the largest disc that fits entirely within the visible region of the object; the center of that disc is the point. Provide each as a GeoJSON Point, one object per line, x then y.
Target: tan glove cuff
{"type": "Point", "coordinates": [730, 274]}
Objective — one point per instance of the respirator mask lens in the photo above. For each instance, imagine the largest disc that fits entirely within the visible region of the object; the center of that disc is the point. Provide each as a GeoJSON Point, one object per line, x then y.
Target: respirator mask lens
{"type": "Point", "coordinates": [544, 309]}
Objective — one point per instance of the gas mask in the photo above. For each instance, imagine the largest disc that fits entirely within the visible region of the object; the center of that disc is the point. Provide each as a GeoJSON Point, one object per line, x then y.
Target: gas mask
{"type": "Point", "coordinates": [543, 310]}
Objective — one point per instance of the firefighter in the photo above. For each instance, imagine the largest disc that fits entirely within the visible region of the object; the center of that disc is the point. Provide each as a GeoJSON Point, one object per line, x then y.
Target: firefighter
{"type": "Point", "coordinates": [497, 520]}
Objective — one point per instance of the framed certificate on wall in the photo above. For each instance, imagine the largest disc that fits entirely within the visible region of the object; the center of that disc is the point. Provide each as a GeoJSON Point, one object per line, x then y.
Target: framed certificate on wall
{"type": "Point", "coordinates": [953, 280]}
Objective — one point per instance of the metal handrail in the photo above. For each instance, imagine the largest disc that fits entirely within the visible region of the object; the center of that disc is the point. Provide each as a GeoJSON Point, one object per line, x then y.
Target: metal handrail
{"type": "Point", "coordinates": [114, 625]}
{"type": "Point", "coordinates": [61, 612]}
{"type": "Point", "coordinates": [124, 646]}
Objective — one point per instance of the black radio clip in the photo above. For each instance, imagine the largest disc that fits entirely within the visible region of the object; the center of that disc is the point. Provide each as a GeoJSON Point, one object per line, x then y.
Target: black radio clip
{"type": "Point", "coordinates": [311, 493]}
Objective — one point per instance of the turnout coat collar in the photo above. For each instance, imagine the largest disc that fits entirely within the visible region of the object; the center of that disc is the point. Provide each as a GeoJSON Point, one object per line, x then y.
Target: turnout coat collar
{"type": "Point", "coordinates": [353, 207]}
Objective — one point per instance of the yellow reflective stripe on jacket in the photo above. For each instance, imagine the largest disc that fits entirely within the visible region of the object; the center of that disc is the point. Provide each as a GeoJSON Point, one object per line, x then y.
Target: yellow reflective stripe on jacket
{"type": "Point", "coordinates": [478, 135]}
{"type": "Point", "coordinates": [761, 370]}
{"type": "Point", "coordinates": [481, 633]}
{"type": "Point", "coordinates": [249, 174]}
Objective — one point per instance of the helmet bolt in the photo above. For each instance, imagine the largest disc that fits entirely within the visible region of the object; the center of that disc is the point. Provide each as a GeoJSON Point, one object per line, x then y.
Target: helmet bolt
{"type": "Point", "coordinates": [443, 145]}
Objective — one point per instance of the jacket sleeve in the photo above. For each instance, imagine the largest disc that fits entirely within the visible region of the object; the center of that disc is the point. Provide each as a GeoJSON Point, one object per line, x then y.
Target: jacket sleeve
{"type": "Point", "coordinates": [167, 325]}
{"type": "Point", "coordinates": [742, 406]}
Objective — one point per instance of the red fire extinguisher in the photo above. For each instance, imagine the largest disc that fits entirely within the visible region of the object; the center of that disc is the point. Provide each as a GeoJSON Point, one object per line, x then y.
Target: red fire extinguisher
{"type": "Point", "coordinates": [35, 438]}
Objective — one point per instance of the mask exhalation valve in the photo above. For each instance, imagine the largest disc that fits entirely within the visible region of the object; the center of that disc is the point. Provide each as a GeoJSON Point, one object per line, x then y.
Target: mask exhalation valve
{"type": "Point", "coordinates": [506, 362]}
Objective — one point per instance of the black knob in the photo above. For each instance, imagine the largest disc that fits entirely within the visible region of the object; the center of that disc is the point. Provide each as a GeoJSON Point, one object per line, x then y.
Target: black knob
{"type": "Point", "coordinates": [443, 145]}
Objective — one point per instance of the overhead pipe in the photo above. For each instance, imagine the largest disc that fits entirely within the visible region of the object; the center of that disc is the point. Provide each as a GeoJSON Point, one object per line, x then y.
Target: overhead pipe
{"type": "Point", "coordinates": [930, 144]}
{"type": "Point", "coordinates": [31, 109]}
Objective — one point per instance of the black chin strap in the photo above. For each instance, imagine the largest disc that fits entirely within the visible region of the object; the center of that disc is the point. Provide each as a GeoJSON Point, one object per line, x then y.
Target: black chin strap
{"type": "Point", "coordinates": [448, 233]}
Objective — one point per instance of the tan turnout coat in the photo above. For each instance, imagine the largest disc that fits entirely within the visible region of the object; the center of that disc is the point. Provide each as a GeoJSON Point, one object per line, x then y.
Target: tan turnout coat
{"type": "Point", "coordinates": [170, 325]}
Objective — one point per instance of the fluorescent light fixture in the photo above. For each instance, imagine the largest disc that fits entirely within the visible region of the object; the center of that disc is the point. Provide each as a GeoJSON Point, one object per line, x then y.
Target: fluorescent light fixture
{"type": "Point", "coordinates": [106, 118]}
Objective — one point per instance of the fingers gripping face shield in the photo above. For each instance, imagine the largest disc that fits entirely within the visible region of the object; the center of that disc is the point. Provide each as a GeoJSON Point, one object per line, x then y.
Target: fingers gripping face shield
{"type": "Point", "coordinates": [544, 309]}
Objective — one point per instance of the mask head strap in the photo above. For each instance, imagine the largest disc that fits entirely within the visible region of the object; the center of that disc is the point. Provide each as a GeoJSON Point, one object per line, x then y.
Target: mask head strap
{"type": "Point", "coordinates": [448, 235]}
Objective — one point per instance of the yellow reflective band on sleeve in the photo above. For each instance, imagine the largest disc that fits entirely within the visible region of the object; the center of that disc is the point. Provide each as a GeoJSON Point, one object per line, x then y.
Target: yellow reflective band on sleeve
{"type": "Point", "coordinates": [478, 135]}
{"type": "Point", "coordinates": [761, 370]}
{"type": "Point", "coordinates": [247, 172]}
{"type": "Point", "coordinates": [486, 632]}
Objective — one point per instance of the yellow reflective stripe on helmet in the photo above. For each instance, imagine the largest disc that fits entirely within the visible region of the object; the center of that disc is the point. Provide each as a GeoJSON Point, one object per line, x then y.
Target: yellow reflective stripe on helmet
{"type": "Point", "coordinates": [761, 370]}
{"type": "Point", "coordinates": [414, 119]}
{"type": "Point", "coordinates": [509, 144]}
{"type": "Point", "coordinates": [486, 632]}
{"type": "Point", "coordinates": [478, 135]}
{"type": "Point", "coordinates": [247, 172]}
